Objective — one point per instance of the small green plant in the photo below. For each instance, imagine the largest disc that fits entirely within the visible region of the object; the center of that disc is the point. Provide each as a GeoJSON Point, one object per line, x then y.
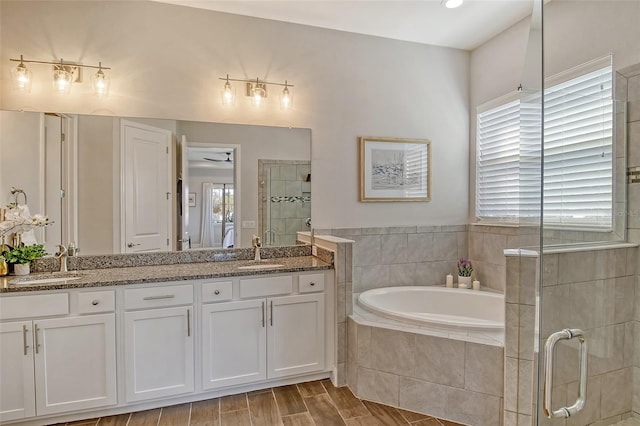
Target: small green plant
{"type": "Point", "coordinates": [25, 254]}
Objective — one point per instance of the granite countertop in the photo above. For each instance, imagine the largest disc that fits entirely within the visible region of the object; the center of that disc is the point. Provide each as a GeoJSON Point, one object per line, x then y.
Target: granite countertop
{"type": "Point", "coordinates": [159, 273]}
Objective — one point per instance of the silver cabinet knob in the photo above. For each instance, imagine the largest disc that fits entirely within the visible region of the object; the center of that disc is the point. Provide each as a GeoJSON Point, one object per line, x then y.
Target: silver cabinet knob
{"type": "Point", "coordinates": [95, 302]}
{"type": "Point", "coordinates": [217, 292]}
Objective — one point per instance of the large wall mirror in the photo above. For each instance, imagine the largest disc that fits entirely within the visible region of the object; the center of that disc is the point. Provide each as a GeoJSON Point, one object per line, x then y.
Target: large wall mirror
{"type": "Point", "coordinates": [127, 185]}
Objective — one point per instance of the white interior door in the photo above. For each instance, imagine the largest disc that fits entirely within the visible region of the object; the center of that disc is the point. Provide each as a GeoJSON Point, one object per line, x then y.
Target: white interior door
{"type": "Point", "coordinates": [53, 181]}
{"type": "Point", "coordinates": [184, 239]}
{"type": "Point", "coordinates": [146, 167]}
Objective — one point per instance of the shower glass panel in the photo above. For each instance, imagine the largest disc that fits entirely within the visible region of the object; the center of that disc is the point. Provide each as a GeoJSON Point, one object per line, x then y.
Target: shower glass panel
{"type": "Point", "coordinates": [584, 277]}
{"type": "Point", "coordinates": [285, 195]}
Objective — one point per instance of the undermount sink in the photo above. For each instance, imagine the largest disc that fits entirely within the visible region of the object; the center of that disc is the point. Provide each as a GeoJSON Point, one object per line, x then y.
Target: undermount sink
{"type": "Point", "coordinates": [43, 280]}
{"type": "Point", "coordinates": [262, 266]}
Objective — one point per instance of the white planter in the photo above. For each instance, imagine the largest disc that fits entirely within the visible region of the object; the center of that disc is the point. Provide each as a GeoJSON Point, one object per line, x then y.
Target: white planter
{"type": "Point", "coordinates": [21, 269]}
{"type": "Point", "coordinates": [464, 280]}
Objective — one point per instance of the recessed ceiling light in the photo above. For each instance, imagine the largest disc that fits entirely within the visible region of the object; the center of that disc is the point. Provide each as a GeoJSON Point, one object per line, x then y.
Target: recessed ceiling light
{"type": "Point", "coordinates": [452, 4]}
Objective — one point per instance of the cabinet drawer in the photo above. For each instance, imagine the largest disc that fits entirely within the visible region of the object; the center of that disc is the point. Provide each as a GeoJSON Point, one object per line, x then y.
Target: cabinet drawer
{"type": "Point", "coordinates": [92, 302]}
{"type": "Point", "coordinates": [267, 286]}
{"type": "Point", "coordinates": [217, 292]}
{"type": "Point", "coordinates": [153, 297]}
{"type": "Point", "coordinates": [41, 305]}
{"type": "Point", "coordinates": [310, 282]}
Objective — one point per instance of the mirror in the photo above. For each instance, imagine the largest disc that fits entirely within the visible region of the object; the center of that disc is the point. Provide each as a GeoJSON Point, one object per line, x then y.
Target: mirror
{"type": "Point", "coordinates": [81, 172]}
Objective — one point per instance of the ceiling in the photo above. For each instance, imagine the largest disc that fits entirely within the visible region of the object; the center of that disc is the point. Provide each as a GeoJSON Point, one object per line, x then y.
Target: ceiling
{"type": "Point", "coordinates": [421, 21]}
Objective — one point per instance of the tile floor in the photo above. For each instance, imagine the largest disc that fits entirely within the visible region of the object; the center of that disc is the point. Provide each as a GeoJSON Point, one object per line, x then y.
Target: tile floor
{"type": "Point", "coordinates": [312, 403]}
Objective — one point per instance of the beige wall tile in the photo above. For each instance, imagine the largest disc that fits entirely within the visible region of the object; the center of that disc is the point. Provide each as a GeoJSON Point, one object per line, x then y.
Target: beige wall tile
{"type": "Point", "coordinates": [423, 397]}
{"type": "Point", "coordinates": [364, 346]}
{"type": "Point", "coordinates": [483, 369]}
{"type": "Point", "coordinates": [440, 360]}
{"type": "Point", "coordinates": [393, 351]}
{"type": "Point", "coordinates": [377, 386]}
{"type": "Point", "coordinates": [367, 250]}
{"type": "Point", "coordinates": [473, 408]}
{"type": "Point", "coordinates": [576, 267]}
{"type": "Point", "coordinates": [511, 384]}
{"type": "Point", "coordinates": [525, 386]}
{"type": "Point", "coordinates": [616, 392]}
{"type": "Point", "coordinates": [591, 411]}
{"type": "Point", "coordinates": [419, 247]}
{"type": "Point", "coordinates": [512, 329]}
{"type": "Point", "coordinates": [393, 249]}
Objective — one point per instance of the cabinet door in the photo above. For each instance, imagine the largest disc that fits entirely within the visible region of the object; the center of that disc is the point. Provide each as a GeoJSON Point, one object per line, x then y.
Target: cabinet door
{"type": "Point", "coordinates": [295, 340]}
{"type": "Point", "coordinates": [158, 353]}
{"type": "Point", "coordinates": [75, 363]}
{"type": "Point", "coordinates": [233, 343]}
{"type": "Point", "coordinates": [17, 392]}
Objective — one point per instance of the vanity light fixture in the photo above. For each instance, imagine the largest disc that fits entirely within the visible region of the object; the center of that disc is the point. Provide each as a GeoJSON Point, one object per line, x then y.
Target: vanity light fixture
{"type": "Point", "coordinates": [257, 91]}
{"type": "Point", "coordinates": [64, 75]}
{"type": "Point", "coordinates": [452, 4]}
{"type": "Point", "coordinates": [21, 77]}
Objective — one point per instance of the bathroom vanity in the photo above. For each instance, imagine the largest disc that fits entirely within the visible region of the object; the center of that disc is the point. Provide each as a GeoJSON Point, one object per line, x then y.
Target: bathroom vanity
{"type": "Point", "coordinates": [105, 341]}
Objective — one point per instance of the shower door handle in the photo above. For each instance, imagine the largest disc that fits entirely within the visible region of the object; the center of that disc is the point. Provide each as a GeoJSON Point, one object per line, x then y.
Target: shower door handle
{"type": "Point", "coordinates": [566, 334]}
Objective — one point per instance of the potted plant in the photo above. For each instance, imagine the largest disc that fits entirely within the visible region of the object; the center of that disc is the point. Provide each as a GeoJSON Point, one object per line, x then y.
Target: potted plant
{"type": "Point", "coordinates": [465, 269]}
{"type": "Point", "coordinates": [22, 256]}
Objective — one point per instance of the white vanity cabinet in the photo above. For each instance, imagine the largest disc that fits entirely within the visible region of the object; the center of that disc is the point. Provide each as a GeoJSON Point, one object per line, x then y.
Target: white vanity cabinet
{"type": "Point", "coordinates": [43, 359]}
{"type": "Point", "coordinates": [158, 342]}
{"type": "Point", "coordinates": [245, 341]}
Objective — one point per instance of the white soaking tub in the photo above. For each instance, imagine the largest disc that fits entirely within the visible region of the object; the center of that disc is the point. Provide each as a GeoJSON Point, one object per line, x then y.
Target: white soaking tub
{"type": "Point", "coordinates": [440, 307]}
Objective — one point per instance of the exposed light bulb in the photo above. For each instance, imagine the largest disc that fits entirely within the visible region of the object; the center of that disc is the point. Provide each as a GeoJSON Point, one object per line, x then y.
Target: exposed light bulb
{"type": "Point", "coordinates": [62, 80]}
{"type": "Point", "coordinates": [100, 83]}
{"type": "Point", "coordinates": [21, 77]}
{"type": "Point", "coordinates": [258, 93]}
{"type": "Point", "coordinates": [227, 94]}
{"type": "Point", "coordinates": [286, 99]}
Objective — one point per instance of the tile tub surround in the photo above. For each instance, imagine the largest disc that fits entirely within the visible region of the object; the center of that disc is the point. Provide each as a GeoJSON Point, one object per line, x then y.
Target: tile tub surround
{"type": "Point", "coordinates": [404, 255]}
{"type": "Point", "coordinates": [593, 290]}
{"type": "Point", "coordinates": [445, 378]}
{"type": "Point", "coordinates": [163, 273]}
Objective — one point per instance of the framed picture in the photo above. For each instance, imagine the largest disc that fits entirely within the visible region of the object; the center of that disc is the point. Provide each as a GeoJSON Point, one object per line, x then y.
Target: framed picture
{"type": "Point", "coordinates": [192, 199]}
{"type": "Point", "coordinates": [395, 169]}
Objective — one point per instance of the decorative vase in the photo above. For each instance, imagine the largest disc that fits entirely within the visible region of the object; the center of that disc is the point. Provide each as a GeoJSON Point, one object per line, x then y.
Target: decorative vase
{"type": "Point", "coordinates": [21, 269]}
{"type": "Point", "coordinates": [4, 268]}
{"type": "Point", "coordinates": [464, 280]}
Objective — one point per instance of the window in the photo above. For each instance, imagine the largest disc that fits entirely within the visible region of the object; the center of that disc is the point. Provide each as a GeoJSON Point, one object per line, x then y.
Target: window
{"type": "Point", "coordinates": [578, 155]}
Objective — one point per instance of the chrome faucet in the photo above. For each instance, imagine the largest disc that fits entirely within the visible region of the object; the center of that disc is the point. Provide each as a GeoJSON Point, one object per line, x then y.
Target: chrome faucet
{"type": "Point", "coordinates": [256, 248]}
{"type": "Point", "coordinates": [62, 255]}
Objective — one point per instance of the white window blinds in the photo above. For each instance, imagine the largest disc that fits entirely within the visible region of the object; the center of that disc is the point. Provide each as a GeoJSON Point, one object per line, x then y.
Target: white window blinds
{"type": "Point", "coordinates": [578, 165]}
{"type": "Point", "coordinates": [498, 158]}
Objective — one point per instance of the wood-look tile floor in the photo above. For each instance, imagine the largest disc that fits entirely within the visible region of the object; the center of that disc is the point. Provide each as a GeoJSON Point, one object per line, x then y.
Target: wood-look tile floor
{"type": "Point", "coordinates": [305, 404]}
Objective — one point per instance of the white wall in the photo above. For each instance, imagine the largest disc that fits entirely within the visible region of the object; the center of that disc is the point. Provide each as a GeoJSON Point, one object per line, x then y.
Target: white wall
{"type": "Point", "coordinates": [166, 61]}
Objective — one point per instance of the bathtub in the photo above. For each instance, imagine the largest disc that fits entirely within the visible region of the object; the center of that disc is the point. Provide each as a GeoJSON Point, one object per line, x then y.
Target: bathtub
{"type": "Point", "coordinates": [440, 307]}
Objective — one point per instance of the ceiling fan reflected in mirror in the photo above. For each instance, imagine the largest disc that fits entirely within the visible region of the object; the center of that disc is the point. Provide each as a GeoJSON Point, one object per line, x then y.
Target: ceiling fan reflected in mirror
{"type": "Point", "coordinates": [228, 160]}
